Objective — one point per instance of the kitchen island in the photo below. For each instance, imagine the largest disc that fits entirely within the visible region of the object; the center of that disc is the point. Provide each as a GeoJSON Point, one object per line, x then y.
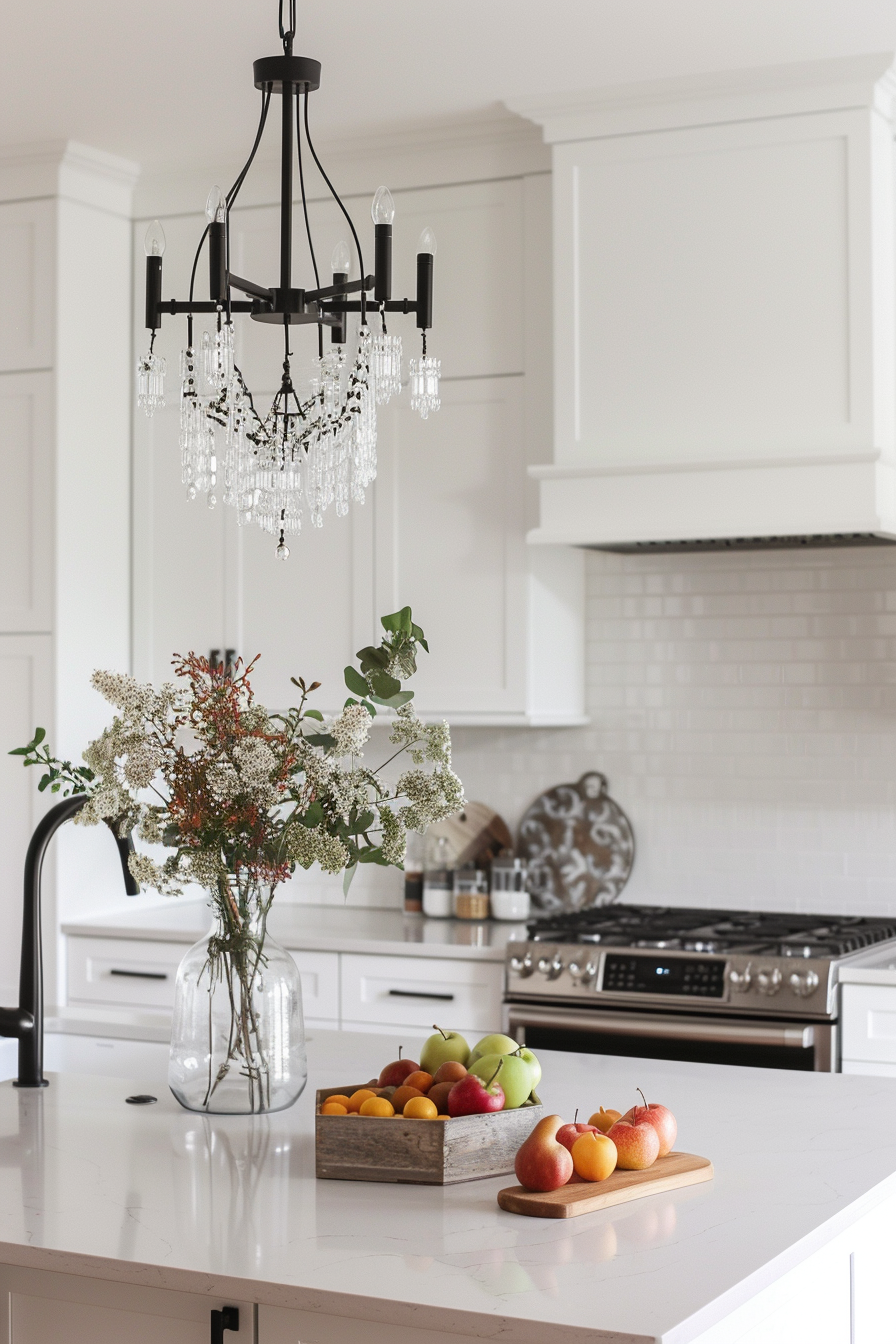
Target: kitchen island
{"type": "Point", "coordinates": [132, 1222]}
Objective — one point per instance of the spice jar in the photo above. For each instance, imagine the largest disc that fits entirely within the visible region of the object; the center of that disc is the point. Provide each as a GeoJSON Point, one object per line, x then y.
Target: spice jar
{"type": "Point", "coordinates": [470, 894]}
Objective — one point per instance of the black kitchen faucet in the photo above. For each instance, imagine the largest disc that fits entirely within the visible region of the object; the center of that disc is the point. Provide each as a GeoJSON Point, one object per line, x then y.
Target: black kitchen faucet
{"type": "Point", "coordinates": [27, 1021]}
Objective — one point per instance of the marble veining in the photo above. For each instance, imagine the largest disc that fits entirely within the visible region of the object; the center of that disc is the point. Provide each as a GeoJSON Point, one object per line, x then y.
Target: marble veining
{"type": "Point", "coordinates": [158, 1196]}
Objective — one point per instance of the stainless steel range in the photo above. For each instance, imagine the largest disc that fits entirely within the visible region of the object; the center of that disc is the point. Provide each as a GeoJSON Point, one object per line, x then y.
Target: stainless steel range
{"type": "Point", "coordinates": [722, 986]}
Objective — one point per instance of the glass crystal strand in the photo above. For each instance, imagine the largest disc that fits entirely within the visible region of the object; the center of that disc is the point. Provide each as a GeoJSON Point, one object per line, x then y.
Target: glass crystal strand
{"type": "Point", "coordinates": [425, 373]}
{"type": "Point", "coordinates": [151, 369]}
{"type": "Point", "coordinates": [386, 367]}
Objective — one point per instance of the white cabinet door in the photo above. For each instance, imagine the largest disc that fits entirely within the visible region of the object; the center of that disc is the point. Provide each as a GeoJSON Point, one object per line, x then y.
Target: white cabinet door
{"type": "Point", "coordinates": [26, 470]}
{"type": "Point", "coordinates": [320, 987]}
{"type": "Point", "coordinates": [868, 1025]}
{"type": "Point", "coordinates": [413, 992]}
{"type": "Point", "coordinates": [42, 1307]}
{"type": "Point", "coordinates": [27, 283]}
{"type": "Point", "coordinates": [450, 543]}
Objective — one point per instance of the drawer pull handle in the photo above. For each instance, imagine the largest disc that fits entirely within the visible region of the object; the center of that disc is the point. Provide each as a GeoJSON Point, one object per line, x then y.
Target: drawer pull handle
{"type": "Point", "coordinates": [141, 975]}
{"type": "Point", "coordinates": [226, 1319]}
{"type": "Point", "coordinates": [418, 994]}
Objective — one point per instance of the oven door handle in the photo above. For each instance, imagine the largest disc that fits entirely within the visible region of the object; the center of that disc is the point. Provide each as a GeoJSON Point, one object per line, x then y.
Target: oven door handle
{"type": "Point", "coordinates": [683, 1029]}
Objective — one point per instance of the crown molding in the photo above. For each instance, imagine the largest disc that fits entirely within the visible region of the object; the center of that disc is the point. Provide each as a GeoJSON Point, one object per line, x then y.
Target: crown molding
{"type": "Point", "coordinates": [493, 144]}
{"type": "Point", "coordinates": [867, 81]}
{"type": "Point", "coordinates": [68, 170]}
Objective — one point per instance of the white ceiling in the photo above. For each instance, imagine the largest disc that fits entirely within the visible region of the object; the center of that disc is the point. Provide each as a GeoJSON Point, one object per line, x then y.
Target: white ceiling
{"type": "Point", "coordinates": [169, 82]}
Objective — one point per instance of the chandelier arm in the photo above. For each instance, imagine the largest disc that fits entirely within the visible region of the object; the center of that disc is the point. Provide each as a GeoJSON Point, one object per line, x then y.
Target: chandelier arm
{"type": "Point", "coordinates": [235, 189]}
{"type": "Point", "coordinates": [320, 330]}
{"type": "Point", "coordinates": [336, 198]}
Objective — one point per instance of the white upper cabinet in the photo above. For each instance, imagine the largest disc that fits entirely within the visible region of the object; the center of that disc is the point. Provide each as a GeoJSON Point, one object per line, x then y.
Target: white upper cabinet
{"type": "Point", "coordinates": [725, 310]}
{"type": "Point", "coordinates": [27, 283]}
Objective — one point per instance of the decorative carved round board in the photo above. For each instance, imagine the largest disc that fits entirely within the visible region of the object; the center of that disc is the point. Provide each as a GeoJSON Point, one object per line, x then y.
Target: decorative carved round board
{"type": "Point", "coordinates": [579, 845]}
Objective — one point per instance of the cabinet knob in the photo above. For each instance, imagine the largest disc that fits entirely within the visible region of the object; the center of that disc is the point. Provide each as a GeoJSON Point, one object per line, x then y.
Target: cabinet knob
{"type": "Point", "coordinates": [228, 1318]}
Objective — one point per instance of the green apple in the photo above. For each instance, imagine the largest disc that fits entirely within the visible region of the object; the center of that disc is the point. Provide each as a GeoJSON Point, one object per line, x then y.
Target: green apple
{"type": "Point", "coordinates": [496, 1044]}
{"type": "Point", "coordinates": [515, 1077]}
{"type": "Point", "coordinates": [532, 1061]}
{"type": "Point", "coordinates": [441, 1047]}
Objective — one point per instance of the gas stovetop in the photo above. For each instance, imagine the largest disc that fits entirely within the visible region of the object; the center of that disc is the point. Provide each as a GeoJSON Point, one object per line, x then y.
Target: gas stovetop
{"type": "Point", "coordinates": [660, 956]}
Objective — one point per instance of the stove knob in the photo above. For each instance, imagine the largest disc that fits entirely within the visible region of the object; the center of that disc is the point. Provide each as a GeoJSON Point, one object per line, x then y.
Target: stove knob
{"type": "Point", "coordinates": [803, 983]}
{"type": "Point", "coordinates": [522, 966]}
{"type": "Point", "coordinates": [583, 975]}
{"type": "Point", "coordinates": [740, 980]}
{"type": "Point", "coordinates": [551, 967]}
{"type": "Point", "coordinates": [768, 980]}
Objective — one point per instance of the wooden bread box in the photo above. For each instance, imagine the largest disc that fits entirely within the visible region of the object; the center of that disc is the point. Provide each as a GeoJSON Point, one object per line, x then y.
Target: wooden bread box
{"type": "Point", "coordinates": [419, 1152]}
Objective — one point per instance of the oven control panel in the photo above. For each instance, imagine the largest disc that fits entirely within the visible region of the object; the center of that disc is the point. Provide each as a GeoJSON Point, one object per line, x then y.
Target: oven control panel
{"type": "Point", "coordinates": [701, 978]}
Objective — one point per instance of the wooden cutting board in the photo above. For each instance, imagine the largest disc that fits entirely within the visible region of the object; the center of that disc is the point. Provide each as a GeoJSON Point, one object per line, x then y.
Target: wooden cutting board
{"type": "Point", "coordinates": [667, 1173]}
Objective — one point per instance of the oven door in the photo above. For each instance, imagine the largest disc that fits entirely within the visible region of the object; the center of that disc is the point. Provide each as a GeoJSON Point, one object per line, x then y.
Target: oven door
{"type": "Point", "coordinates": [757, 1042]}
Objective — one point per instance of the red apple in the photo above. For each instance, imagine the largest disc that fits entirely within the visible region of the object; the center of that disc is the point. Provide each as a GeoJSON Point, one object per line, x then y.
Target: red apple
{"type": "Point", "coordinates": [542, 1163]}
{"type": "Point", "coordinates": [661, 1118]}
{"type": "Point", "coordinates": [471, 1096]}
{"type": "Point", "coordinates": [567, 1134]}
{"type": "Point", "coordinates": [637, 1145]}
{"type": "Point", "coordinates": [394, 1074]}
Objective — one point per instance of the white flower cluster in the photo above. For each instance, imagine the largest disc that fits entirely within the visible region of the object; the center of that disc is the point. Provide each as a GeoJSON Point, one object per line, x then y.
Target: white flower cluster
{"type": "Point", "coordinates": [394, 840]}
{"type": "Point", "coordinates": [424, 741]}
{"type": "Point", "coordinates": [431, 796]}
{"type": "Point", "coordinates": [351, 730]}
{"type": "Point", "coordinates": [311, 844]}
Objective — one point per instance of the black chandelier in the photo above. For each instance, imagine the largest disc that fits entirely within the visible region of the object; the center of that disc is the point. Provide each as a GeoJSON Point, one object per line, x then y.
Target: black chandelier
{"type": "Point", "coordinates": [314, 447]}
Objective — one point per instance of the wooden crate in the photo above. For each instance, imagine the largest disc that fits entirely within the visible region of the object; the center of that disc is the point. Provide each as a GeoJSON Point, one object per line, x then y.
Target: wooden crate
{"type": "Point", "coordinates": [419, 1152]}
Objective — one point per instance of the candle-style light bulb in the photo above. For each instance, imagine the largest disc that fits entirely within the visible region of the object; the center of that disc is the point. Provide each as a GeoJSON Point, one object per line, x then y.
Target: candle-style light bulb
{"type": "Point", "coordinates": [383, 208]}
{"type": "Point", "coordinates": [154, 242]}
{"type": "Point", "coordinates": [215, 206]}
{"type": "Point", "coordinates": [427, 242]}
{"type": "Point", "coordinates": [341, 260]}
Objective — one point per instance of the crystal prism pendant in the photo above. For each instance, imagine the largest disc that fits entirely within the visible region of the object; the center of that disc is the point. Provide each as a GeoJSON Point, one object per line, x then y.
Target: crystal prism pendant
{"type": "Point", "coordinates": [151, 382]}
{"type": "Point", "coordinates": [425, 373]}
{"type": "Point", "coordinates": [385, 366]}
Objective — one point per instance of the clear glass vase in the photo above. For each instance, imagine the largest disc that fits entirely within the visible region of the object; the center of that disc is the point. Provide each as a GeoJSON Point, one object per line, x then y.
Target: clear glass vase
{"type": "Point", "coordinates": [237, 1035]}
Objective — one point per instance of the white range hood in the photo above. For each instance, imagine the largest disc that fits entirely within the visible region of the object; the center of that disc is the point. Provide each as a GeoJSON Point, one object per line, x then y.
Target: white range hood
{"type": "Point", "coordinates": [724, 309]}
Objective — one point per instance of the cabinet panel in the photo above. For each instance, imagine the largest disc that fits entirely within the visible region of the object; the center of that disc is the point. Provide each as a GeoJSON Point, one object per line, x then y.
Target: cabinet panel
{"type": "Point", "coordinates": [407, 991]}
{"type": "Point", "coordinates": [712, 293]}
{"type": "Point", "coordinates": [27, 280]}
{"type": "Point", "coordinates": [869, 1023]}
{"type": "Point", "coordinates": [26, 675]}
{"type": "Point", "coordinates": [298, 614]}
{"type": "Point", "coordinates": [320, 986]}
{"type": "Point", "coordinates": [450, 542]}
{"type": "Point", "coordinates": [26, 545]}
{"type": "Point", "coordinates": [126, 971]}
{"type": "Point", "coordinates": [41, 1306]}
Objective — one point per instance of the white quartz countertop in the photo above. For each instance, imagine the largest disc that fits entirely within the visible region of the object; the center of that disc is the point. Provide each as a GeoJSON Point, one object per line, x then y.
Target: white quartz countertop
{"type": "Point", "coordinates": [317, 928]}
{"type": "Point", "coordinates": [229, 1206]}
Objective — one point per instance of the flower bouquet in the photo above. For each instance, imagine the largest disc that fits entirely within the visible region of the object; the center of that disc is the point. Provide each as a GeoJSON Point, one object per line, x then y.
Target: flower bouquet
{"type": "Point", "coordinates": [241, 797]}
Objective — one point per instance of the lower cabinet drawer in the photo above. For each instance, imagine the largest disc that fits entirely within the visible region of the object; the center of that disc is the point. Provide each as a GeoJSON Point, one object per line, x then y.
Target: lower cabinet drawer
{"type": "Point", "coordinates": [130, 972]}
{"type": "Point", "coordinates": [320, 985]}
{"type": "Point", "coordinates": [868, 1023]}
{"type": "Point", "coordinates": [417, 991]}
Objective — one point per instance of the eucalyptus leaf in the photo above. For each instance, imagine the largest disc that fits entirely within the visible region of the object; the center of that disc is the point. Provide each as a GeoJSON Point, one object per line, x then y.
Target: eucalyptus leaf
{"type": "Point", "coordinates": [347, 877]}
{"type": "Point", "coordinates": [314, 714]}
{"type": "Point", "coordinates": [383, 684]}
{"type": "Point", "coordinates": [39, 735]}
{"type": "Point", "coordinates": [355, 682]}
{"type": "Point", "coordinates": [326, 740]}
{"type": "Point", "coordinates": [399, 622]}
